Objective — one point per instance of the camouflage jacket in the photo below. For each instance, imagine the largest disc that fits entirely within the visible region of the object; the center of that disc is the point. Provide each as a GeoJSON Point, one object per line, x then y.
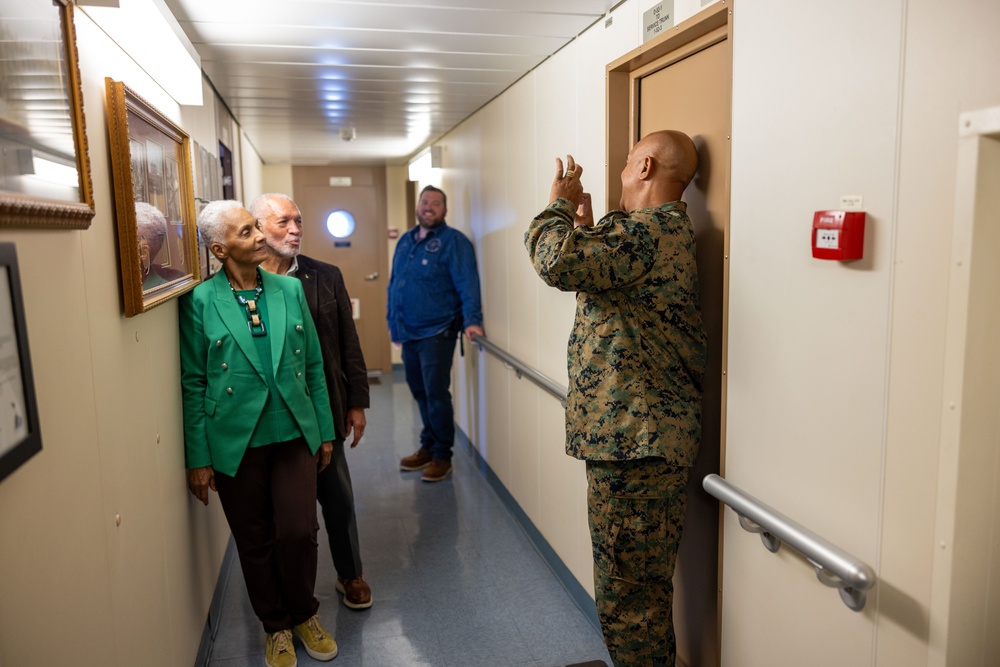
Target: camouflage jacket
{"type": "Point", "coordinates": [636, 355]}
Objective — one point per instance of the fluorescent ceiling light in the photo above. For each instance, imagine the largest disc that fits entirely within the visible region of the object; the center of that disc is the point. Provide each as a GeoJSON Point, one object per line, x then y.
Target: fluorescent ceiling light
{"type": "Point", "coordinates": [149, 33]}
{"type": "Point", "coordinates": [422, 167]}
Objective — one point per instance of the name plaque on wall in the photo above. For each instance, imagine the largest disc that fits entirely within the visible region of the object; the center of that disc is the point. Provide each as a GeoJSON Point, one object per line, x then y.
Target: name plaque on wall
{"type": "Point", "coordinates": [656, 19]}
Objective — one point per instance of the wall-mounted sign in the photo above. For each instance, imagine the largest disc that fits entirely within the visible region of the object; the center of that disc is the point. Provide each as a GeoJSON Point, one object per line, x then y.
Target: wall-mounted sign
{"type": "Point", "coordinates": [393, 233]}
{"type": "Point", "coordinates": [657, 19]}
{"type": "Point", "coordinates": [340, 181]}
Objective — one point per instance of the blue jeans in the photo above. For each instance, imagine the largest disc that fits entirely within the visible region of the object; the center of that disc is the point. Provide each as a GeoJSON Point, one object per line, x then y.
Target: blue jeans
{"type": "Point", "coordinates": [427, 363]}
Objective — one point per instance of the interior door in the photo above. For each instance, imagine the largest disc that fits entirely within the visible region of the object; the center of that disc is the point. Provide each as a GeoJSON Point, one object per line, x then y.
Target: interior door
{"type": "Point", "coordinates": [360, 256]}
{"type": "Point", "coordinates": [693, 95]}
{"type": "Point", "coordinates": [684, 82]}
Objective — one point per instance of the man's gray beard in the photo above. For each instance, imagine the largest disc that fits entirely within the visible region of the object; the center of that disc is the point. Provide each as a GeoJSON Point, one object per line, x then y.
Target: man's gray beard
{"type": "Point", "coordinates": [426, 225]}
{"type": "Point", "coordinates": [287, 253]}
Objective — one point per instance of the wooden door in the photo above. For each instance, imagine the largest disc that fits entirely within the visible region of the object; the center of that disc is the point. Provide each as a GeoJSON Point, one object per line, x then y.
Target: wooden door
{"type": "Point", "coordinates": [360, 256]}
{"type": "Point", "coordinates": [684, 82]}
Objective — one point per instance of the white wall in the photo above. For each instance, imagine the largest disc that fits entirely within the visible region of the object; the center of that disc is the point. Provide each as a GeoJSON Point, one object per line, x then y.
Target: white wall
{"type": "Point", "coordinates": [835, 390]}
{"type": "Point", "coordinates": [251, 170]}
{"type": "Point", "coordinates": [948, 69]}
{"type": "Point", "coordinates": [835, 370]}
{"type": "Point", "coordinates": [498, 169]}
{"type": "Point", "coordinates": [77, 588]}
{"type": "Point", "coordinates": [808, 339]}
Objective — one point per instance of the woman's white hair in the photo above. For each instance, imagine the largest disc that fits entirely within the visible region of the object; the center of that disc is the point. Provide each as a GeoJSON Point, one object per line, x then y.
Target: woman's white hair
{"type": "Point", "coordinates": [210, 221]}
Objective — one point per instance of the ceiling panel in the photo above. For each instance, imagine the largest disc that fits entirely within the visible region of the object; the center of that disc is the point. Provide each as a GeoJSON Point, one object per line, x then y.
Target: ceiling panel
{"type": "Point", "coordinates": [340, 38]}
{"type": "Point", "coordinates": [430, 21]}
{"type": "Point", "coordinates": [337, 77]}
{"type": "Point", "coordinates": [284, 55]}
{"type": "Point", "coordinates": [296, 73]}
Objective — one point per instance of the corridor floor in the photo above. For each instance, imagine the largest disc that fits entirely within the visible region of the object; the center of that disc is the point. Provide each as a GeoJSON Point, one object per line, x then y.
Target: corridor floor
{"type": "Point", "coordinates": [455, 580]}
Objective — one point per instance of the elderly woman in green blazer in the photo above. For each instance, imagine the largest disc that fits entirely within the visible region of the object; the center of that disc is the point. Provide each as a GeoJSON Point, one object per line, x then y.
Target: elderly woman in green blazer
{"type": "Point", "coordinates": [257, 424]}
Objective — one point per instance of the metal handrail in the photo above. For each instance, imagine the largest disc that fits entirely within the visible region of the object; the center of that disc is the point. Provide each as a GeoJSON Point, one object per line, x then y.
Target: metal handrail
{"type": "Point", "coordinates": [834, 567]}
{"type": "Point", "coordinates": [522, 369]}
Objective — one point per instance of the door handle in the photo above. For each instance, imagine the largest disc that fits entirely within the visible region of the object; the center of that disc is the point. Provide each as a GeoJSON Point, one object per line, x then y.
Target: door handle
{"type": "Point", "coordinates": [372, 276]}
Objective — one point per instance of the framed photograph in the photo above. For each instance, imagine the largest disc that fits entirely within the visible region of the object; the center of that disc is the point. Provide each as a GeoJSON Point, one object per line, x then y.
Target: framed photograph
{"type": "Point", "coordinates": [205, 158]}
{"type": "Point", "coordinates": [20, 436]}
{"type": "Point", "coordinates": [154, 201]}
{"type": "Point", "coordinates": [45, 176]}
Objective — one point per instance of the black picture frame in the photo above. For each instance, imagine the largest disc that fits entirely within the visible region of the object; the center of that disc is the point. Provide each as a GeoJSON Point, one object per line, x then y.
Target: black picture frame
{"type": "Point", "coordinates": [20, 434]}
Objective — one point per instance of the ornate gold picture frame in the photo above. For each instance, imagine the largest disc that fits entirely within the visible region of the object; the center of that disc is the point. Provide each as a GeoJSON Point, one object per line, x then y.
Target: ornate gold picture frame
{"type": "Point", "coordinates": [45, 176]}
{"type": "Point", "coordinates": [154, 201]}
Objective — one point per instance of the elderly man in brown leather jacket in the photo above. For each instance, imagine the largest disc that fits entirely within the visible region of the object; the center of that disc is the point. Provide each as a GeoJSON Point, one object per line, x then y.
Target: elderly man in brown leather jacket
{"type": "Point", "coordinates": [346, 378]}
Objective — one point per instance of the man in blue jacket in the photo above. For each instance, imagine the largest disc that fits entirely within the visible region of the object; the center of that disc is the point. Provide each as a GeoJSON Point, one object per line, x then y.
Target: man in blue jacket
{"type": "Point", "coordinates": [433, 296]}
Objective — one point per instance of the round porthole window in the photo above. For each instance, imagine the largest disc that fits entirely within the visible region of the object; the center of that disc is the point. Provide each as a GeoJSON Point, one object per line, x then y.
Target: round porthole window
{"type": "Point", "coordinates": [340, 224]}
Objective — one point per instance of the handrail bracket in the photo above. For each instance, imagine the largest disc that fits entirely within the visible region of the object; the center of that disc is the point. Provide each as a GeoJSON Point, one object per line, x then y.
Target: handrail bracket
{"type": "Point", "coordinates": [771, 543]}
{"type": "Point", "coordinates": [834, 567]}
{"type": "Point", "coordinates": [853, 597]}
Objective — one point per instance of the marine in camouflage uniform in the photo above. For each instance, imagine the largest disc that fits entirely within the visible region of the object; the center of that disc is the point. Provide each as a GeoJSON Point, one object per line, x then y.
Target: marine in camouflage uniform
{"type": "Point", "coordinates": [636, 360]}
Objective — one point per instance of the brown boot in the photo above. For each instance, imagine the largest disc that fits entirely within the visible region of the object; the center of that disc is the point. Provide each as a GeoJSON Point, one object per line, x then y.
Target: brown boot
{"type": "Point", "coordinates": [357, 594]}
{"type": "Point", "coordinates": [436, 471]}
{"type": "Point", "coordinates": [416, 461]}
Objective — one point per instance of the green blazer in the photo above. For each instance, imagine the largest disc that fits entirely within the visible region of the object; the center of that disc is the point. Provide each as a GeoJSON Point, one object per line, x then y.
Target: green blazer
{"type": "Point", "coordinates": [223, 381]}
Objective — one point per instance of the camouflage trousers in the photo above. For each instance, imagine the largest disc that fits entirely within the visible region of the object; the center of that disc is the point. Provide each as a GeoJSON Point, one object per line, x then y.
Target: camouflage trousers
{"type": "Point", "coordinates": [636, 513]}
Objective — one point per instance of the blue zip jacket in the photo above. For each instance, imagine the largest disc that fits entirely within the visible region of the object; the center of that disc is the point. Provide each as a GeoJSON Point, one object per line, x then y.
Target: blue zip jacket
{"type": "Point", "coordinates": [434, 285]}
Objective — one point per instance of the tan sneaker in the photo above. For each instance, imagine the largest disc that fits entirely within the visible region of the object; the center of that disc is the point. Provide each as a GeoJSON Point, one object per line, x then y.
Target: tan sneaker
{"type": "Point", "coordinates": [319, 643]}
{"type": "Point", "coordinates": [416, 461]}
{"type": "Point", "coordinates": [357, 594]}
{"type": "Point", "coordinates": [436, 471]}
{"type": "Point", "coordinates": [279, 651]}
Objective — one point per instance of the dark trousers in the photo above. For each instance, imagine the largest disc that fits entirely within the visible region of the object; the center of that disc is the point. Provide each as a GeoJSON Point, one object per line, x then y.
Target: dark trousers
{"type": "Point", "coordinates": [427, 363]}
{"type": "Point", "coordinates": [336, 497]}
{"type": "Point", "coordinates": [271, 508]}
{"type": "Point", "coordinates": [636, 513]}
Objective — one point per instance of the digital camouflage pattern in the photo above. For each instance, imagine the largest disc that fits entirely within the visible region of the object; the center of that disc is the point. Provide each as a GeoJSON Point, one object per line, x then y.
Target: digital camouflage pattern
{"type": "Point", "coordinates": [636, 355]}
{"type": "Point", "coordinates": [636, 514]}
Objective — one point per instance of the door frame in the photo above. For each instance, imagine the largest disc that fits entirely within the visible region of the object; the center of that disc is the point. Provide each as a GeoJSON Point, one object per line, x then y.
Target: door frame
{"type": "Point", "coordinates": [624, 75]}
{"type": "Point", "coordinates": [966, 492]}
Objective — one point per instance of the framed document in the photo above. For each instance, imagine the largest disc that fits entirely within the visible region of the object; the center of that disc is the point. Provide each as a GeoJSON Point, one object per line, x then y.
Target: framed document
{"type": "Point", "coordinates": [20, 436]}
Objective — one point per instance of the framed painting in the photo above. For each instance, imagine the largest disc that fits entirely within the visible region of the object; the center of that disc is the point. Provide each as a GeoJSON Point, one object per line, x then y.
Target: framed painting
{"type": "Point", "coordinates": [154, 201]}
{"type": "Point", "coordinates": [20, 437]}
{"type": "Point", "coordinates": [45, 178]}
{"type": "Point", "coordinates": [203, 194]}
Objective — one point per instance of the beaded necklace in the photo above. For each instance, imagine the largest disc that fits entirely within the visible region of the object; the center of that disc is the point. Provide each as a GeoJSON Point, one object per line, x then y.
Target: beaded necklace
{"type": "Point", "coordinates": [254, 323]}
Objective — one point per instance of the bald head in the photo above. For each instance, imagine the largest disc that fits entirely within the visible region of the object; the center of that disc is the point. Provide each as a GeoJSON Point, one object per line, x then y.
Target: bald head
{"type": "Point", "coordinates": [658, 169]}
{"type": "Point", "coordinates": [676, 152]}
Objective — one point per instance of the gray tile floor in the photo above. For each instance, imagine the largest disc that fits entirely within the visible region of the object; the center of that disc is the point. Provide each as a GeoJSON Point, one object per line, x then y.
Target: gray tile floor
{"type": "Point", "coordinates": [455, 580]}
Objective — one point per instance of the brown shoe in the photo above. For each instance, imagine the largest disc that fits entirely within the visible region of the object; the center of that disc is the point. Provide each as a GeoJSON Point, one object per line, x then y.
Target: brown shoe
{"type": "Point", "coordinates": [357, 594]}
{"type": "Point", "coordinates": [416, 461]}
{"type": "Point", "coordinates": [436, 471]}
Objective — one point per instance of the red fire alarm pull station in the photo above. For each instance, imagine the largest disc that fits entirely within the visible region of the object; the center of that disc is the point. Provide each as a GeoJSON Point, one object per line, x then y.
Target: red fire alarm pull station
{"type": "Point", "coordinates": [838, 235]}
